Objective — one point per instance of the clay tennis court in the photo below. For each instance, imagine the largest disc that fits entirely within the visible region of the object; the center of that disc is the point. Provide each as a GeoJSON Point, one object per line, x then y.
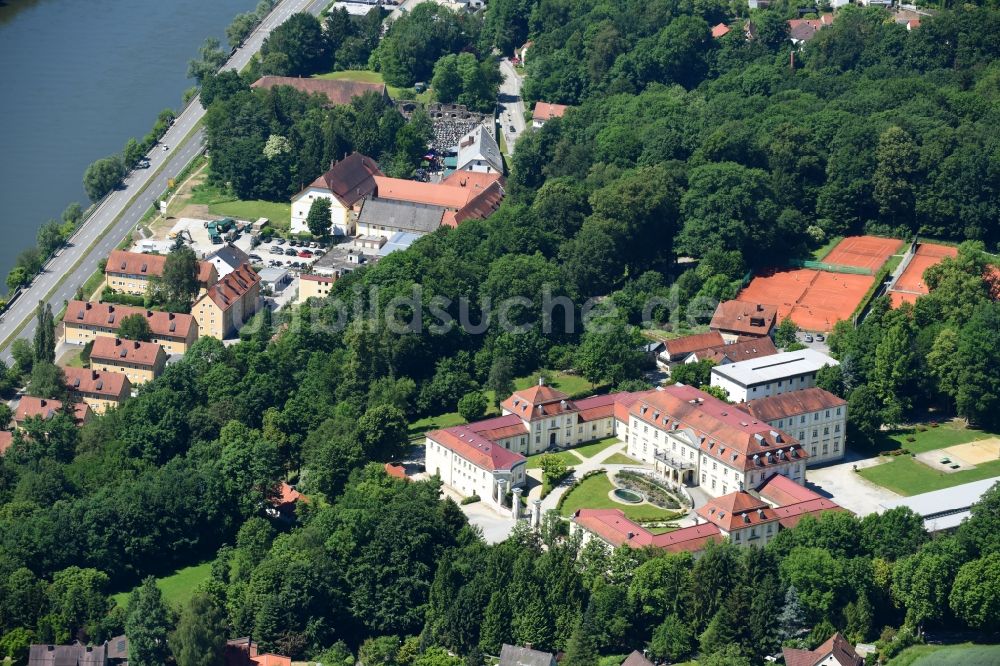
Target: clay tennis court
{"type": "Point", "coordinates": [815, 300]}
{"type": "Point", "coordinates": [863, 252]}
{"type": "Point", "coordinates": [911, 283]}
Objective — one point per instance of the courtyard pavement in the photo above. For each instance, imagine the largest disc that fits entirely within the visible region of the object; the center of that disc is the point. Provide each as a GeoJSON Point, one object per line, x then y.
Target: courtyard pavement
{"type": "Point", "coordinates": [848, 488]}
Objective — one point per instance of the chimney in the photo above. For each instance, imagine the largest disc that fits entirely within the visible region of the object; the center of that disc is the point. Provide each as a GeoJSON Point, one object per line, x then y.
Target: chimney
{"type": "Point", "coordinates": [43, 402]}
{"type": "Point", "coordinates": [88, 305]}
{"type": "Point", "coordinates": [136, 344]}
{"type": "Point", "coordinates": [760, 513]}
{"type": "Point", "coordinates": [93, 374]}
{"type": "Point", "coordinates": [149, 313]}
{"type": "Point", "coordinates": [118, 342]}
{"type": "Point", "coordinates": [541, 380]}
{"type": "Point", "coordinates": [760, 308]}
{"type": "Point", "coordinates": [630, 535]}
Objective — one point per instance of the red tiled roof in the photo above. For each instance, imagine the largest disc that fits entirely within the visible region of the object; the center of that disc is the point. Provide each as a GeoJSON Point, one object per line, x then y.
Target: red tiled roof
{"type": "Point", "coordinates": [6, 439]}
{"type": "Point", "coordinates": [476, 180]}
{"type": "Point", "coordinates": [500, 427]}
{"type": "Point", "coordinates": [112, 385]}
{"type": "Point", "coordinates": [612, 526]}
{"type": "Point", "coordinates": [136, 263]}
{"type": "Point", "coordinates": [742, 350]}
{"type": "Point", "coordinates": [480, 207]}
{"type": "Point", "coordinates": [120, 350]}
{"type": "Point", "coordinates": [30, 406]}
{"type": "Point", "coordinates": [793, 403]}
{"type": "Point", "coordinates": [679, 347]}
{"type": "Point", "coordinates": [789, 516]}
{"type": "Point", "coordinates": [546, 111]}
{"type": "Point", "coordinates": [736, 510]}
{"type": "Point", "coordinates": [537, 402]}
{"type": "Point", "coordinates": [351, 179]}
{"type": "Point", "coordinates": [720, 30]}
{"type": "Point", "coordinates": [779, 490]}
{"type": "Point", "coordinates": [337, 91]}
{"type": "Point", "coordinates": [475, 448]}
{"type": "Point", "coordinates": [722, 431]}
{"type": "Point", "coordinates": [107, 315]}
{"type": "Point", "coordinates": [836, 647]}
{"type": "Point", "coordinates": [744, 318]}
{"type": "Point", "coordinates": [431, 194]}
{"type": "Point", "coordinates": [230, 289]}
{"type": "Point", "coordinates": [395, 470]}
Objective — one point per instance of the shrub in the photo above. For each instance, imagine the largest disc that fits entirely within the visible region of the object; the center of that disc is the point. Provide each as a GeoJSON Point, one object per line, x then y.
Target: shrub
{"type": "Point", "coordinates": [471, 499]}
{"type": "Point", "coordinates": [911, 438]}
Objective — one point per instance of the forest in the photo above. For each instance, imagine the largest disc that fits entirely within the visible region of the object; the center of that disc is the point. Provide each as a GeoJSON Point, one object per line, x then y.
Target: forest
{"type": "Point", "coordinates": [718, 150]}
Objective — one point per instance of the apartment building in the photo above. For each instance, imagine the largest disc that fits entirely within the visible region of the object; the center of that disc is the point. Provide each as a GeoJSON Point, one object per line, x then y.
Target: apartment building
{"type": "Point", "coordinates": [100, 390]}
{"type": "Point", "coordinates": [85, 321]}
{"type": "Point", "coordinates": [771, 375]}
{"type": "Point", "coordinates": [816, 417]}
{"type": "Point", "coordinates": [141, 362]}
{"type": "Point", "coordinates": [132, 272]}
{"type": "Point", "coordinates": [228, 304]}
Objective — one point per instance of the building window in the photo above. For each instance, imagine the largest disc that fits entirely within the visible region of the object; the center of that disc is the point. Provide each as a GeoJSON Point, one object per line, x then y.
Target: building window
{"type": "Point", "coordinates": [815, 432]}
{"type": "Point", "coordinates": [826, 449]}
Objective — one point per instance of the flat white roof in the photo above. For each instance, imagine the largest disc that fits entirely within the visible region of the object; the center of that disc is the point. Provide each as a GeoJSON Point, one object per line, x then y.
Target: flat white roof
{"type": "Point", "coordinates": [939, 505]}
{"type": "Point", "coordinates": [772, 368]}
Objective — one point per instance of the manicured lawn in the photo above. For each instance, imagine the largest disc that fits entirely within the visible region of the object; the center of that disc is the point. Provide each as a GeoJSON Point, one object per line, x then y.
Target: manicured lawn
{"type": "Point", "coordinates": [435, 423]}
{"type": "Point", "coordinates": [945, 435]}
{"type": "Point", "coordinates": [593, 494]}
{"type": "Point", "coordinates": [966, 654]}
{"type": "Point", "coordinates": [591, 450]}
{"type": "Point", "coordinates": [224, 203]}
{"type": "Point", "coordinates": [73, 359]}
{"type": "Point", "coordinates": [907, 476]}
{"type": "Point", "coordinates": [620, 459]}
{"type": "Point", "coordinates": [535, 461]}
{"type": "Point", "coordinates": [176, 588]}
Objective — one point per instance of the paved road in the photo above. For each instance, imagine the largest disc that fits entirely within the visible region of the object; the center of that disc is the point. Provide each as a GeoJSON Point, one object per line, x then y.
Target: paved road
{"type": "Point", "coordinates": [141, 184]}
{"type": "Point", "coordinates": [512, 111]}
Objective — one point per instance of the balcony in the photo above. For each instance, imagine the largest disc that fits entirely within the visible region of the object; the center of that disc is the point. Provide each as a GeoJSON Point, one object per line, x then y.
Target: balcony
{"type": "Point", "coordinates": [679, 464]}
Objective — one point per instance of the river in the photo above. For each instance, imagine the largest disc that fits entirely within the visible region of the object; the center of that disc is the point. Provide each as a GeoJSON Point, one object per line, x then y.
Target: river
{"type": "Point", "coordinates": [80, 78]}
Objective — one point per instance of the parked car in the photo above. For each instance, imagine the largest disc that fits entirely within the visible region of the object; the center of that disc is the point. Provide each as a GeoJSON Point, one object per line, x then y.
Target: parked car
{"type": "Point", "coordinates": [820, 337]}
{"type": "Point", "coordinates": [808, 338]}
{"type": "Point", "coordinates": [290, 252]}
{"type": "Point", "coordinates": [255, 257]}
{"type": "Point", "coordinates": [276, 250]}
{"type": "Point", "coordinates": [314, 244]}
{"type": "Point", "coordinates": [305, 254]}
{"type": "Point", "coordinates": [292, 242]}
{"type": "Point", "coordinates": [166, 147]}
{"type": "Point", "coordinates": [279, 240]}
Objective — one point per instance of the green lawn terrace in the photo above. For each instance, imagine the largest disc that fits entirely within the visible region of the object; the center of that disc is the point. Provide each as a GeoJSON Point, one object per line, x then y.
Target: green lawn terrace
{"type": "Point", "coordinates": [921, 468]}
{"type": "Point", "coordinates": [177, 587]}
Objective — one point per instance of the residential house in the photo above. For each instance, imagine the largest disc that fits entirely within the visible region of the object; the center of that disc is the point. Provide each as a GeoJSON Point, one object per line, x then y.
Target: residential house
{"type": "Point", "coordinates": [749, 519]}
{"type": "Point", "coordinates": [837, 651]}
{"type": "Point", "coordinates": [109, 653]}
{"type": "Point", "coordinates": [423, 207]}
{"type": "Point", "coordinates": [720, 30]}
{"type": "Point", "coordinates": [227, 259]}
{"type": "Point", "coordinates": [337, 92]}
{"type": "Point", "coordinates": [521, 54]}
{"type": "Point", "coordinates": [693, 438]}
{"type": "Point", "coordinates": [678, 349]}
{"type": "Point", "coordinates": [801, 31]}
{"type": "Point", "coordinates": [140, 361]}
{"type": "Point", "coordinates": [780, 373]}
{"type": "Point", "coordinates": [744, 349]}
{"type": "Point", "coordinates": [816, 416]}
{"type": "Point", "coordinates": [227, 305]}
{"type": "Point", "coordinates": [132, 272]}
{"type": "Point", "coordinates": [478, 151]}
{"type": "Point", "coordinates": [637, 659]}
{"type": "Point", "coordinates": [345, 185]}
{"type": "Point", "coordinates": [735, 319]}
{"type": "Point", "coordinates": [6, 439]}
{"type": "Point", "coordinates": [100, 390]}
{"type": "Point", "coordinates": [314, 286]}
{"type": "Point", "coordinates": [245, 652]}
{"type": "Point", "coordinates": [85, 321]}
{"type": "Point", "coordinates": [544, 112]}
{"type": "Point", "coordinates": [30, 407]}
{"type": "Point", "coordinates": [515, 655]}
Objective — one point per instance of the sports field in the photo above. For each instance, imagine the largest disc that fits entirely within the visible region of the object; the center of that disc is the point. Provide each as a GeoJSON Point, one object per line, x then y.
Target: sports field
{"type": "Point", "coordinates": [966, 654]}
{"type": "Point", "coordinates": [910, 284]}
{"type": "Point", "coordinates": [863, 252]}
{"type": "Point", "coordinates": [815, 300]}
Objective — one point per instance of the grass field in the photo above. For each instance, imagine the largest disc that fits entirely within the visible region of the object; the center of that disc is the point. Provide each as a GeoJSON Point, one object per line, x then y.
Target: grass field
{"type": "Point", "coordinates": [535, 461]}
{"type": "Point", "coordinates": [176, 588]}
{"type": "Point", "coordinates": [592, 493]}
{"type": "Point", "coordinates": [591, 450]}
{"type": "Point", "coordinates": [367, 76]}
{"type": "Point", "coordinates": [820, 253]}
{"type": "Point", "coordinates": [945, 435]}
{"type": "Point", "coordinates": [907, 476]}
{"type": "Point", "coordinates": [223, 203]}
{"type": "Point", "coordinates": [621, 459]}
{"type": "Point", "coordinates": [966, 654]}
